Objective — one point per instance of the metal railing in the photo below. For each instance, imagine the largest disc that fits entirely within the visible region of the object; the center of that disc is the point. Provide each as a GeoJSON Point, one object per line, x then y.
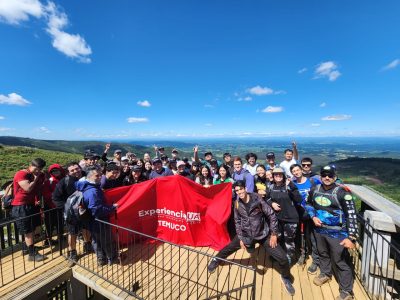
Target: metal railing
{"type": "Point", "coordinates": [147, 267]}
{"type": "Point", "coordinates": [14, 254]}
{"type": "Point", "coordinates": [376, 262]}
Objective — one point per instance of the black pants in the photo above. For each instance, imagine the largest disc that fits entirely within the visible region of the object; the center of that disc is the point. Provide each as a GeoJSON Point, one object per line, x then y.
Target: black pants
{"type": "Point", "coordinates": [103, 242]}
{"type": "Point", "coordinates": [277, 253]}
{"type": "Point", "coordinates": [332, 254]}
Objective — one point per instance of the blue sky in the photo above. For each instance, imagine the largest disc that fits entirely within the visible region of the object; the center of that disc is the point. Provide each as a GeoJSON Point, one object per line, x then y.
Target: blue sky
{"type": "Point", "coordinates": [174, 69]}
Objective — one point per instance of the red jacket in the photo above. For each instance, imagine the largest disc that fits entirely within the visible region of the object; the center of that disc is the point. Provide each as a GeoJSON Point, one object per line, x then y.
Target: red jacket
{"type": "Point", "coordinates": [49, 185]}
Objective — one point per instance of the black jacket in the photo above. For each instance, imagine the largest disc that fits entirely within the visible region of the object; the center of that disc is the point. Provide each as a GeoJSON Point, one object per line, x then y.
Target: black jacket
{"type": "Point", "coordinates": [285, 196]}
{"type": "Point", "coordinates": [256, 221]}
{"type": "Point", "coordinates": [64, 188]}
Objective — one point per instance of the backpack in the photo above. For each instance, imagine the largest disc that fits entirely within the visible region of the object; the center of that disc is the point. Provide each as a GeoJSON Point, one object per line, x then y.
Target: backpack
{"type": "Point", "coordinates": [8, 195]}
{"type": "Point", "coordinates": [75, 210]}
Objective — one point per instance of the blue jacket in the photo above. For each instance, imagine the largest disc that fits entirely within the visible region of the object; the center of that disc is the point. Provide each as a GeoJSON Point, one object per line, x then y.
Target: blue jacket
{"type": "Point", "coordinates": [94, 200]}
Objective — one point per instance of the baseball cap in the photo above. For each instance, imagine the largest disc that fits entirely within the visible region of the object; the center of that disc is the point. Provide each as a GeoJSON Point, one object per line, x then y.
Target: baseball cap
{"type": "Point", "coordinates": [117, 151]}
{"type": "Point", "coordinates": [270, 155]}
{"type": "Point", "coordinates": [328, 170]}
{"type": "Point", "coordinates": [137, 168]}
{"type": "Point", "coordinates": [207, 153]}
{"type": "Point", "coordinates": [156, 160]}
{"type": "Point", "coordinates": [213, 161]}
{"type": "Point", "coordinates": [226, 154]}
{"type": "Point", "coordinates": [164, 157]}
{"type": "Point", "coordinates": [124, 158]}
{"type": "Point", "coordinates": [180, 163]}
{"type": "Point", "coordinates": [174, 151]}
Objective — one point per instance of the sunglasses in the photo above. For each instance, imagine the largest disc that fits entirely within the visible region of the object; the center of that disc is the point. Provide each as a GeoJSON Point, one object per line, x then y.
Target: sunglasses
{"type": "Point", "coordinates": [306, 165]}
{"type": "Point", "coordinates": [327, 175]}
{"type": "Point", "coordinates": [278, 174]}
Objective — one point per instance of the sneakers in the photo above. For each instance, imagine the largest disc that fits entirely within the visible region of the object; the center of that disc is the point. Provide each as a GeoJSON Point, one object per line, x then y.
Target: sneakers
{"type": "Point", "coordinates": [344, 296]}
{"type": "Point", "coordinates": [321, 279]}
{"type": "Point", "coordinates": [288, 286]}
{"type": "Point", "coordinates": [312, 269]}
{"type": "Point", "coordinates": [213, 265]}
{"type": "Point", "coordinates": [36, 257]}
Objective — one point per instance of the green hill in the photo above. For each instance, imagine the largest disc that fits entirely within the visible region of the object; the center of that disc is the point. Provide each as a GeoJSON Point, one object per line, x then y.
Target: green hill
{"type": "Point", "coordinates": [382, 174]}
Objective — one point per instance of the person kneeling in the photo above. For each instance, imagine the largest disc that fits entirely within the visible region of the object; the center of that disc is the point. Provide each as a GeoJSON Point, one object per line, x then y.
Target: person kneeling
{"type": "Point", "coordinates": [255, 222]}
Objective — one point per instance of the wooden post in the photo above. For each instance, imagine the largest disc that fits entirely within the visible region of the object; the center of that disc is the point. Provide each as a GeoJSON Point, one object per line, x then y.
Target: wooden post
{"type": "Point", "coordinates": [376, 252]}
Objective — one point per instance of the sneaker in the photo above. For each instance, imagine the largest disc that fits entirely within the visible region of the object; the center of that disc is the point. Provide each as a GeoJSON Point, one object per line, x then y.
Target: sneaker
{"type": "Point", "coordinates": [321, 279]}
{"type": "Point", "coordinates": [73, 255]}
{"type": "Point", "coordinates": [36, 257]}
{"type": "Point", "coordinates": [344, 296]}
{"type": "Point", "coordinates": [213, 265]}
{"type": "Point", "coordinates": [87, 248]}
{"type": "Point", "coordinates": [288, 286]}
{"type": "Point", "coordinates": [302, 260]}
{"type": "Point", "coordinates": [312, 269]}
{"type": "Point", "coordinates": [101, 262]}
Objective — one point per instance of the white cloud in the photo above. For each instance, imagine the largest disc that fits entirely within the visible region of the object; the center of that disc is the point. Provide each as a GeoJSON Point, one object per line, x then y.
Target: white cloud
{"type": "Point", "coordinates": [301, 71]}
{"type": "Point", "coordinates": [137, 120]}
{"type": "Point", "coordinates": [13, 99]}
{"type": "Point", "coordinates": [260, 91]}
{"type": "Point", "coordinates": [2, 118]}
{"type": "Point", "coordinates": [16, 11]}
{"type": "Point", "coordinates": [144, 103]}
{"type": "Point", "coordinates": [272, 109]}
{"type": "Point", "coordinates": [315, 125]}
{"type": "Point", "coordinates": [327, 69]}
{"type": "Point", "coordinates": [323, 104]}
{"type": "Point", "coordinates": [392, 65]}
{"type": "Point", "coordinates": [2, 129]}
{"type": "Point", "coordinates": [336, 118]}
{"type": "Point", "coordinates": [43, 129]}
{"type": "Point", "coordinates": [72, 45]}
{"type": "Point", "coordinates": [246, 98]}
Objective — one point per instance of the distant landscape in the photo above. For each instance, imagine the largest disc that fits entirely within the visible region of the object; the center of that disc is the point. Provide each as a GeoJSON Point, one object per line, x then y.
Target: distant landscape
{"type": "Point", "coordinates": [371, 162]}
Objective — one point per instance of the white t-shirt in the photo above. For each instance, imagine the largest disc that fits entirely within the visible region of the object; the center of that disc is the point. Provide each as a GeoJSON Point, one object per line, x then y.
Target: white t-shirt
{"type": "Point", "coordinates": [252, 170]}
{"type": "Point", "coordinates": [285, 165]}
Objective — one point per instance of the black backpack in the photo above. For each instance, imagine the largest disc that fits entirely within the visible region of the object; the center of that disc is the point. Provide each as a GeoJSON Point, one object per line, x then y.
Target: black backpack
{"type": "Point", "coordinates": [8, 195]}
{"type": "Point", "coordinates": [75, 210]}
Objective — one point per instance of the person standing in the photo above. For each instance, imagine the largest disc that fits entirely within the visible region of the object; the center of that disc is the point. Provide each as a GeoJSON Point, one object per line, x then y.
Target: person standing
{"type": "Point", "coordinates": [28, 185]}
{"type": "Point", "coordinates": [333, 212]}
{"type": "Point", "coordinates": [291, 158]}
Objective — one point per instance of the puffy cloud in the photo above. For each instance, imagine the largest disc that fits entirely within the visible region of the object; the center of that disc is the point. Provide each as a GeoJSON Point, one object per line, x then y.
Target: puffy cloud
{"type": "Point", "coordinates": [260, 91]}
{"type": "Point", "coordinates": [246, 98]}
{"type": "Point", "coordinates": [323, 104]}
{"type": "Point", "coordinates": [3, 129]}
{"type": "Point", "coordinates": [13, 99]}
{"type": "Point", "coordinates": [336, 118]}
{"type": "Point", "coordinates": [144, 103]}
{"type": "Point", "coordinates": [272, 109]}
{"type": "Point", "coordinates": [327, 69]}
{"type": "Point", "coordinates": [137, 120]}
{"type": "Point", "coordinates": [391, 65]}
{"type": "Point", "coordinates": [16, 11]}
{"type": "Point", "coordinates": [44, 129]}
{"type": "Point", "coordinates": [301, 71]}
{"type": "Point", "coordinates": [72, 45]}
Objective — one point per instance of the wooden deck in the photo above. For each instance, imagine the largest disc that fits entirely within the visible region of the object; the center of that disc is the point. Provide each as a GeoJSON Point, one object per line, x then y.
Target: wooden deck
{"type": "Point", "coordinates": [162, 271]}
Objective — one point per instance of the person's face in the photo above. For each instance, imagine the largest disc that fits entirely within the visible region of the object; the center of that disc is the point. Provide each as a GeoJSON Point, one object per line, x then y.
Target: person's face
{"type": "Point", "coordinates": [118, 155]}
{"type": "Point", "coordinates": [56, 172]}
{"type": "Point", "coordinates": [270, 160]}
{"type": "Point", "coordinates": [251, 161]}
{"type": "Point", "coordinates": [278, 177]}
{"type": "Point", "coordinates": [90, 161]}
{"type": "Point", "coordinates": [139, 163]}
{"type": "Point", "coordinates": [288, 155]}
{"type": "Point", "coordinates": [195, 168]}
{"type": "Point", "coordinates": [208, 157]}
{"type": "Point", "coordinates": [158, 166]}
{"type": "Point", "coordinates": [306, 166]}
{"type": "Point", "coordinates": [237, 165]}
{"type": "Point", "coordinates": [227, 159]}
{"type": "Point", "coordinates": [136, 173]}
{"type": "Point", "coordinates": [328, 179]}
{"type": "Point", "coordinates": [260, 172]}
{"type": "Point", "coordinates": [95, 177]}
{"type": "Point", "coordinates": [173, 165]}
{"type": "Point", "coordinates": [75, 171]}
{"type": "Point", "coordinates": [268, 174]}
{"type": "Point", "coordinates": [241, 192]}
{"type": "Point", "coordinates": [214, 166]}
{"type": "Point", "coordinates": [204, 172]}
{"type": "Point", "coordinates": [147, 166]}
{"type": "Point", "coordinates": [222, 172]}
{"type": "Point", "coordinates": [112, 174]}
{"type": "Point", "coordinates": [35, 170]}
{"type": "Point", "coordinates": [297, 172]}
{"type": "Point", "coordinates": [174, 154]}
{"type": "Point", "coordinates": [146, 157]}
{"type": "Point", "coordinates": [181, 168]}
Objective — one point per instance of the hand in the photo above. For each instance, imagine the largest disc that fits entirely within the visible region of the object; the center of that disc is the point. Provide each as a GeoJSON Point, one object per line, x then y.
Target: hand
{"type": "Point", "coordinates": [115, 206]}
{"type": "Point", "coordinates": [294, 145]}
{"type": "Point", "coordinates": [261, 192]}
{"type": "Point", "coordinates": [276, 206]}
{"type": "Point", "coordinates": [347, 244]}
{"type": "Point", "coordinates": [242, 245]}
{"type": "Point", "coordinates": [317, 222]}
{"type": "Point", "coordinates": [273, 241]}
{"type": "Point", "coordinates": [288, 181]}
{"type": "Point", "coordinates": [107, 147]}
{"type": "Point", "coordinates": [196, 148]}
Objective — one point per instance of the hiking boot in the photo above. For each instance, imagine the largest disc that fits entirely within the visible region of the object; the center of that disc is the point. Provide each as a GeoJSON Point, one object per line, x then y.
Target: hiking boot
{"type": "Point", "coordinates": [36, 257]}
{"type": "Point", "coordinates": [344, 296]}
{"type": "Point", "coordinates": [312, 269]}
{"type": "Point", "coordinates": [321, 279]}
{"type": "Point", "coordinates": [288, 285]}
{"type": "Point", "coordinates": [213, 265]}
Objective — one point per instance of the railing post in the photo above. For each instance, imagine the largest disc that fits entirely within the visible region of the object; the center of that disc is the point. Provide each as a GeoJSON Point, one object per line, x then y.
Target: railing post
{"type": "Point", "coordinates": [376, 251]}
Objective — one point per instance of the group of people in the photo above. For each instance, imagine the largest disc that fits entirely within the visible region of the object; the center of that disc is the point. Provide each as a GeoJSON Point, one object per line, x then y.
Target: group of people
{"type": "Point", "coordinates": [269, 202]}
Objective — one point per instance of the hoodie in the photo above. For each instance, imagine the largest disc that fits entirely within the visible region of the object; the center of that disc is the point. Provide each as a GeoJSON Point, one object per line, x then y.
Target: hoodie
{"type": "Point", "coordinates": [49, 185]}
{"type": "Point", "coordinates": [93, 197]}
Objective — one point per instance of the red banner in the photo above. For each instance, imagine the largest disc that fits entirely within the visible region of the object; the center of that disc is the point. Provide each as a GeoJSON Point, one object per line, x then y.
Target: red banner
{"type": "Point", "coordinates": [175, 209]}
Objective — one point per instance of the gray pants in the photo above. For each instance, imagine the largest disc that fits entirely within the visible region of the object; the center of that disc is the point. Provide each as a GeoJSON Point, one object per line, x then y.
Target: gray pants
{"type": "Point", "coordinates": [332, 254]}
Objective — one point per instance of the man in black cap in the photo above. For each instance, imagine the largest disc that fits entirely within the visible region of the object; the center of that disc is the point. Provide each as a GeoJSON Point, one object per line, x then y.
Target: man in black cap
{"type": "Point", "coordinates": [160, 151]}
{"type": "Point", "coordinates": [117, 157]}
{"type": "Point", "coordinates": [159, 170]}
{"type": "Point", "coordinates": [332, 209]}
{"type": "Point", "coordinates": [270, 161]}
